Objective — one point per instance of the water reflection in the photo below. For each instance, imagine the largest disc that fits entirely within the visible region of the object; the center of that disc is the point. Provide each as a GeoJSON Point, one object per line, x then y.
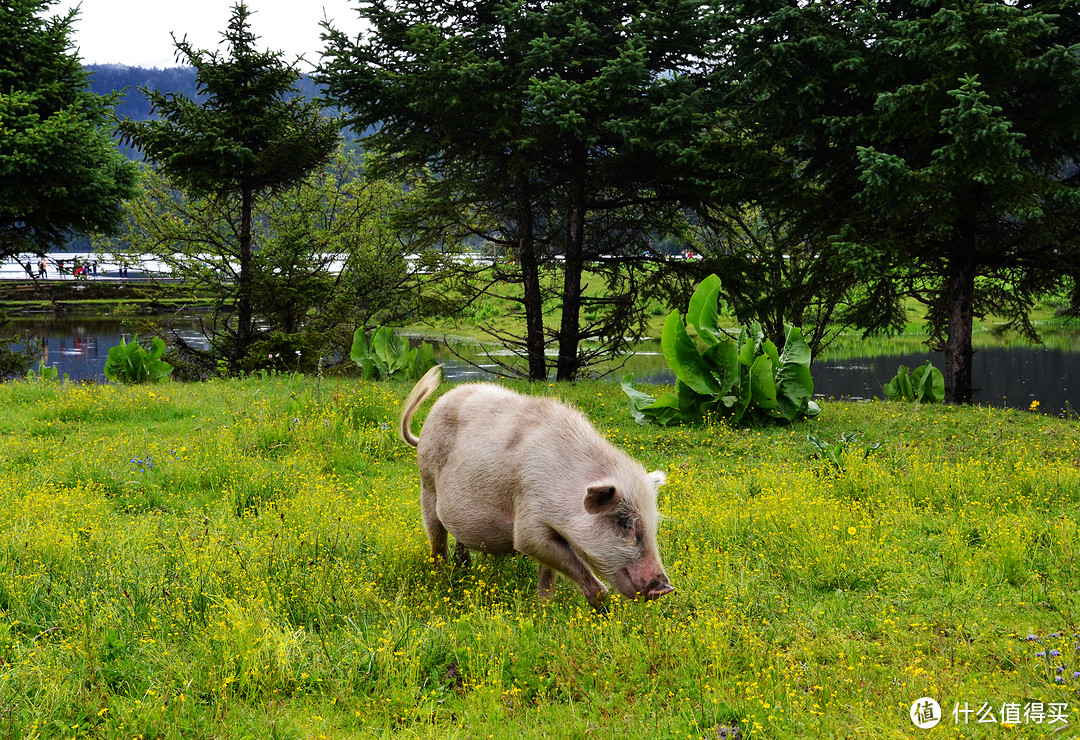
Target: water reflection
{"type": "Point", "coordinates": [1009, 377]}
{"type": "Point", "coordinates": [1004, 376]}
{"type": "Point", "coordinates": [79, 345]}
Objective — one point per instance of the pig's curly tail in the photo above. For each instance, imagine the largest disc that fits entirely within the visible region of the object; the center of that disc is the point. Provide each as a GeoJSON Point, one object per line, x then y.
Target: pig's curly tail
{"type": "Point", "coordinates": [423, 388]}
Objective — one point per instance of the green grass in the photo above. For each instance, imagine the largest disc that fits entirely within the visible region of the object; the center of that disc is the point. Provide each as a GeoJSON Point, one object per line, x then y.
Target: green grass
{"type": "Point", "coordinates": [245, 559]}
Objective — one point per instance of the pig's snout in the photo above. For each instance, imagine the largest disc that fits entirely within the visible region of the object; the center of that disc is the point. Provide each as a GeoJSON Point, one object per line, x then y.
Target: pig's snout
{"type": "Point", "coordinates": [656, 588]}
{"type": "Point", "coordinates": [643, 580]}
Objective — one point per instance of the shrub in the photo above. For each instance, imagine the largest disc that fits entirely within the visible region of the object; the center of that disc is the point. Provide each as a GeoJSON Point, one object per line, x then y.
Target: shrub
{"type": "Point", "coordinates": [726, 378]}
{"type": "Point", "coordinates": [925, 385]}
{"type": "Point", "coordinates": [43, 372]}
{"type": "Point", "coordinates": [389, 356]}
{"type": "Point", "coordinates": [131, 363]}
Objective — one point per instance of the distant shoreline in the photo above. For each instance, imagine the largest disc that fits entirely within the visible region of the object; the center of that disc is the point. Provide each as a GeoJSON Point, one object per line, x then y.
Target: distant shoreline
{"type": "Point", "coordinates": [101, 294]}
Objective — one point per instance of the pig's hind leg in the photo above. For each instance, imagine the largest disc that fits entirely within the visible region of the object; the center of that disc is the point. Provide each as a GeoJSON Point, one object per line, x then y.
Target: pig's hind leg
{"type": "Point", "coordinates": [461, 554]}
{"type": "Point", "coordinates": [436, 532]}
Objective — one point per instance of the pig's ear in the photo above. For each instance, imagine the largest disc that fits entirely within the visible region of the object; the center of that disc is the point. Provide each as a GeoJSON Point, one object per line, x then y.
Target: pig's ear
{"type": "Point", "coordinates": [601, 497]}
{"type": "Point", "coordinates": [658, 478]}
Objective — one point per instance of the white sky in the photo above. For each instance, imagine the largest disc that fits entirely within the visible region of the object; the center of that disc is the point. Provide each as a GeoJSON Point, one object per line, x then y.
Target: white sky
{"type": "Point", "coordinates": [136, 32]}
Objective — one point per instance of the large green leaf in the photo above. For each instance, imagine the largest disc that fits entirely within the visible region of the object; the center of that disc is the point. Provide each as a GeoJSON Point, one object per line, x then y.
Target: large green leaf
{"type": "Point", "coordinates": [638, 399]}
{"type": "Point", "coordinates": [937, 383]}
{"type": "Point", "coordinates": [707, 289]}
{"type": "Point", "coordinates": [742, 399]}
{"type": "Point", "coordinates": [899, 388]}
{"type": "Point", "coordinates": [928, 384]}
{"type": "Point", "coordinates": [118, 365]}
{"type": "Point", "coordinates": [361, 355]}
{"type": "Point", "coordinates": [746, 348]}
{"type": "Point", "coordinates": [645, 408]}
{"type": "Point", "coordinates": [722, 361]}
{"type": "Point", "coordinates": [383, 351]}
{"type": "Point", "coordinates": [157, 369]}
{"type": "Point", "coordinates": [796, 350]}
{"type": "Point", "coordinates": [392, 350]}
{"type": "Point", "coordinates": [794, 384]}
{"type": "Point", "coordinates": [665, 410]}
{"type": "Point", "coordinates": [794, 387]}
{"type": "Point", "coordinates": [703, 312]}
{"type": "Point", "coordinates": [892, 390]}
{"type": "Point", "coordinates": [770, 351]}
{"type": "Point", "coordinates": [762, 385]}
{"type": "Point", "coordinates": [683, 357]}
{"type": "Point", "coordinates": [359, 352]}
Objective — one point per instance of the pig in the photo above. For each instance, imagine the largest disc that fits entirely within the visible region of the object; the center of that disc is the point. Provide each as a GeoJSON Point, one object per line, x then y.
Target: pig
{"type": "Point", "coordinates": [505, 472]}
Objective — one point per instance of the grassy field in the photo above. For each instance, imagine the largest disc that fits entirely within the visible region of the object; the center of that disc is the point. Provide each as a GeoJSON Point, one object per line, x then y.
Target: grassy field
{"type": "Point", "coordinates": [245, 559]}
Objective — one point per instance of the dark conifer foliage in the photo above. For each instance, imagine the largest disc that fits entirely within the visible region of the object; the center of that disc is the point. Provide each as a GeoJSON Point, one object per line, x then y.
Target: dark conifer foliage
{"type": "Point", "coordinates": [246, 133]}
{"type": "Point", "coordinates": [935, 141]}
{"type": "Point", "coordinates": [60, 173]}
{"type": "Point", "coordinates": [559, 130]}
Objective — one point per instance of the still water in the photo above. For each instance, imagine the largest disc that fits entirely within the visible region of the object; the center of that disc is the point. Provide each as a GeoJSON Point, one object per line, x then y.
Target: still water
{"type": "Point", "coordinates": [1012, 377]}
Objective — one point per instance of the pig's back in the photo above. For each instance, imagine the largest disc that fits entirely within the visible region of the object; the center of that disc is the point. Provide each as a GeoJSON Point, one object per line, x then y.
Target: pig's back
{"type": "Point", "coordinates": [486, 431]}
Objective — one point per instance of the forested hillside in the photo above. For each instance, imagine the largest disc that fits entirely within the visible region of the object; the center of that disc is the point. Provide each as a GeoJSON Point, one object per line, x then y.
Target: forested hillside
{"type": "Point", "coordinates": [106, 79]}
{"type": "Point", "coordinates": [109, 78]}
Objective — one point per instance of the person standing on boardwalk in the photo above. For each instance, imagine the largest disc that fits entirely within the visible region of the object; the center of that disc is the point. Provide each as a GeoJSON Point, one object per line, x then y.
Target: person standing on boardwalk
{"type": "Point", "coordinates": [43, 271]}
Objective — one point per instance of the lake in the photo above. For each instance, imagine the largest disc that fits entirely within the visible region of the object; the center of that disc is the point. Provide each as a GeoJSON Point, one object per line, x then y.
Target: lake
{"type": "Point", "coordinates": [1004, 376]}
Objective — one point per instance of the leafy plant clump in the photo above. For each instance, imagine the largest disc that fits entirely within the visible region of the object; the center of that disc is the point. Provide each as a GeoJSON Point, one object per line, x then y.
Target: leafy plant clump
{"type": "Point", "coordinates": [925, 385]}
{"type": "Point", "coordinates": [43, 372]}
{"type": "Point", "coordinates": [131, 363]}
{"type": "Point", "coordinates": [389, 356]}
{"type": "Point", "coordinates": [837, 454]}
{"type": "Point", "coordinates": [726, 378]}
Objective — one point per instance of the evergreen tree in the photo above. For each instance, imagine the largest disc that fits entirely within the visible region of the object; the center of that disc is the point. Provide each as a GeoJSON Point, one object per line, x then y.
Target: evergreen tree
{"type": "Point", "coordinates": [60, 172]}
{"type": "Point", "coordinates": [328, 262]}
{"type": "Point", "coordinates": [562, 128]}
{"type": "Point", "coordinates": [937, 141]}
{"type": "Point", "coordinates": [248, 134]}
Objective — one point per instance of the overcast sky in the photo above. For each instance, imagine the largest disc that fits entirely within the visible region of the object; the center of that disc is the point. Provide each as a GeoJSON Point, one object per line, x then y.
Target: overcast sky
{"type": "Point", "coordinates": [136, 32]}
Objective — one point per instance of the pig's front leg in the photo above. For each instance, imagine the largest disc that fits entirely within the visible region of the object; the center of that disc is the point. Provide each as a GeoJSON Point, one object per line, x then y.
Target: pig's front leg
{"type": "Point", "coordinates": [554, 553]}
{"type": "Point", "coordinates": [546, 578]}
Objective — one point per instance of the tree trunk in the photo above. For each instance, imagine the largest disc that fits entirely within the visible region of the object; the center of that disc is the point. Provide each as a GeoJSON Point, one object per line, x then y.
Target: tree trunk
{"type": "Point", "coordinates": [530, 278]}
{"type": "Point", "coordinates": [960, 298]}
{"type": "Point", "coordinates": [570, 325]}
{"type": "Point", "coordinates": [243, 297]}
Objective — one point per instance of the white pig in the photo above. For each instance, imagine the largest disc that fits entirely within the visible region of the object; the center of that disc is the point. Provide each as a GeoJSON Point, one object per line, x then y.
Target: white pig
{"type": "Point", "coordinates": [502, 472]}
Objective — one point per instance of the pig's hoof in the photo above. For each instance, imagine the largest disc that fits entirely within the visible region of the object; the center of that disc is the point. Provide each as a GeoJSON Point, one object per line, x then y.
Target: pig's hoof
{"type": "Point", "coordinates": [462, 556]}
{"type": "Point", "coordinates": [600, 602]}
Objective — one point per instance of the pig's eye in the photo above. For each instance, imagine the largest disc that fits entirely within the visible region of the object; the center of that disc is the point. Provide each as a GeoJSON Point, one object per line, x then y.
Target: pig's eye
{"type": "Point", "coordinates": [625, 522]}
